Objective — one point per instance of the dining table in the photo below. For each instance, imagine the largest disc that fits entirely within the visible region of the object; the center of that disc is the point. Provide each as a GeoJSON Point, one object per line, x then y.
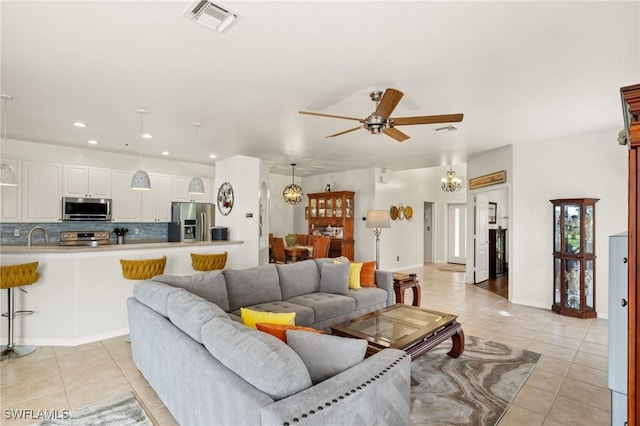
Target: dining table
{"type": "Point", "coordinates": [298, 252]}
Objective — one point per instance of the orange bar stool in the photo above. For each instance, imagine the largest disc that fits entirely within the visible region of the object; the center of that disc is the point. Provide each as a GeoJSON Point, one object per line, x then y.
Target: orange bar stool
{"type": "Point", "coordinates": [208, 262]}
{"type": "Point", "coordinates": [13, 276]}
{"type": "Point", "coordinates": [142, 269]}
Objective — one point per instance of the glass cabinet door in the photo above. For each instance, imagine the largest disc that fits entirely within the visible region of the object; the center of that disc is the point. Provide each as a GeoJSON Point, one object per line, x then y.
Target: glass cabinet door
{"type": "Point", "coordinates": [349, 207]}
{"type": "Point", "coordinates": [572, 228]}
{"type": "Point", "coordinates": [557, 234]}
{"type": "Point", "coordinates": [588, 229]}
{"type": "Point", "coordinates": [557, 275]}
{"type": "Point", "coordinates": [338, 207]}
{"type": "Point", "coordinates": [329, 207]}
{"type": "Point", "coordinates": [314, 211]}
{"type": "Point", "coordinates": [572, 282]}
{"type": "Point", "coordinates": [588, 284]}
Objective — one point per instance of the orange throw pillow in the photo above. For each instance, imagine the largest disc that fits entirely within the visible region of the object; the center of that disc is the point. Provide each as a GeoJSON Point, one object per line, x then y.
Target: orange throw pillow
{"type": "Point", "coordinates": [368, 274]}
{"type": "Point", "coordinates": [280, 330]}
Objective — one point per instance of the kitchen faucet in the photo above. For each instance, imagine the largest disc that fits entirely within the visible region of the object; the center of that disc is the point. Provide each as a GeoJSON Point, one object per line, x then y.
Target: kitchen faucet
{"type": "Point", "coordinates": [46, 236]}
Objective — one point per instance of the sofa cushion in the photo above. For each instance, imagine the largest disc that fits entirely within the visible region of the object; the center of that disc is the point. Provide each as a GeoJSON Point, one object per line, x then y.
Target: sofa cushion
{"type": "Point", "coordinates": [322, 260]}
{"type": "Point", "coordinates": [250, 317]}
{"type": "Point", "coordinates": [368, 274]}
{"type": "Point", "coordinates": [190, 312]}
{"type": "Point", "coordinates": [154, 295]}
{"type": "Point", "coordinates": [210, 286]}
{"type": "Point", "coordinates": [251, 286]}
{"type": "Point", "coordinates": [334, 278]}
{"type": "Point", "coordinates": [354, 275]}
{"type": "Point", "coordinates": [324, 355]}
{"type": "Point", "coordinates": [325, 305]}
{"type": "Point", "coordinates": [280, 330]}
{"type": "Point", "coordinates": [304, 315]}
{"type": "Point", "coordinates": [298, 278]}
{"type": "Point", "coordinates": [367, 297]}
{"type": "Point", "coordinates": [259, 358]}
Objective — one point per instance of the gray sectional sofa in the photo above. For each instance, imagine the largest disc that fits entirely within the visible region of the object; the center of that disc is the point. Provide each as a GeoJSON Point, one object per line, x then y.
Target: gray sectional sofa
{"type": "Point", "coordinates": [209, 369]}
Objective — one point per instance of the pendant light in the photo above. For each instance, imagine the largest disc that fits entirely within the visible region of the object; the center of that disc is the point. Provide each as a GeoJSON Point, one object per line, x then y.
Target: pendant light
{"type": "Point", "coordinates": [292, 193]}
{"type": "Point", "coordinates": [140, 180]}
{"type": "Point", "coordinates": [451, 183]}
{"type": "Point", "coordinates": [196, 186]}
{"type": "Point", "coordinates": [7, 174]}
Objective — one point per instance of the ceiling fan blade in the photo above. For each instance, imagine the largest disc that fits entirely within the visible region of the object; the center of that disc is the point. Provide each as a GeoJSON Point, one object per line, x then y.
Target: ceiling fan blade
{"type": "Point", "coordinates": [396, 134]}
{"type": "Point", "coordinates": [346, 131]}
{"type": "Point", "coordinates": [427, 119]}
{"type": "Point", "coordinates": [388, 103]}
{"type": "Point", "coordinates": [331, 116]}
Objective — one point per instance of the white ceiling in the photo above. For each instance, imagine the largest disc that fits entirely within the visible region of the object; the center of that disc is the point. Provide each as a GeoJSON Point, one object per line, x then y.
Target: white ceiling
{"type": "Point", "coordinates": [519, 72]}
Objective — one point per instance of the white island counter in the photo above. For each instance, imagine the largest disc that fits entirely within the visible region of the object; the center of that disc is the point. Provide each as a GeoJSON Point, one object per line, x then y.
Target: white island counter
{"type": "Point", "coordinates": [81, 294]}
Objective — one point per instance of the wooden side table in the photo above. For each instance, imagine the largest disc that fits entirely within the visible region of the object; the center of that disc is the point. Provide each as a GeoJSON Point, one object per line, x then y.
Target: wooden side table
{"type": "Point", "coordinates": [399, 287]}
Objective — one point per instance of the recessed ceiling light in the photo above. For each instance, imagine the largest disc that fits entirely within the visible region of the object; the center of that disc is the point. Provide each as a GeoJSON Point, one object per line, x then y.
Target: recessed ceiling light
{"type": "Point", "coordinates": [92, 142]}
{"type": "Point", "coordinates": [165, 153]}
{"type": "Point", "coordinates": [79, 124]}
{"type": "Point", "coordinates": [147, 135]}
{"type": "Point", "coordinates": [212, 156]}
{"type": "Point", "coordinates": [446, 129]}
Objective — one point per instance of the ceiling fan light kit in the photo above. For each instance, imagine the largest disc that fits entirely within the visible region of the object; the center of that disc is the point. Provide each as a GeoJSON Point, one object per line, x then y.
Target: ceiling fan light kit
{"type": "Point", "coordinates": [379, 121]}
{"type": "Point", "coordinates": [292, 193]}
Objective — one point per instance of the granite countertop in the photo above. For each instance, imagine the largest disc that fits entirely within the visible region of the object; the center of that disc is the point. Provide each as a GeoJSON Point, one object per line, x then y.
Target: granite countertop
{"type": "Point", "coordinates": [56, 248]}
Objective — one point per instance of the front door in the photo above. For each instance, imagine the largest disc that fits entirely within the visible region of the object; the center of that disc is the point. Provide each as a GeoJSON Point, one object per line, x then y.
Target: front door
{"type": "Point", "coordinates": [481, 239]}
{"type": "Point", "coordinates": [457, 233]}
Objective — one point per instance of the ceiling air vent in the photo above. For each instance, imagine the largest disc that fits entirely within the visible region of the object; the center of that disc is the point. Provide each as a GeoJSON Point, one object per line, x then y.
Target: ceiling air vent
{"type": "Point", "coordinates": [210, 15]}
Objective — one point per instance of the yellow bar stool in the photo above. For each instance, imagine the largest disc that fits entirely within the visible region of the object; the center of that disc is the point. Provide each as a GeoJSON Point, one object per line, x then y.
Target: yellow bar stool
{"type": "Point", "coordinates": [142, 269]}
{"type": "Point", "coordinates": [13, 276]}
{"type": "Point", "coordinates": [208, 262]}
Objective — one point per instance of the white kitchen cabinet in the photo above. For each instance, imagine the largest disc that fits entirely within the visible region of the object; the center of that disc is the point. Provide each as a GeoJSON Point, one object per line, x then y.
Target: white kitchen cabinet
{"type": "Point", "coordinates": [156, 203]}
{"type": "Point", "coordinates": [41, 192]}
{"type": "Point", "coordinates": [11, 196]}
{"type": "Point", "coordinates": [126, 203]}
{"type": "Point", "coordinates": [180, 185]}
{"type": "Point", "coordinates": [83, 181]}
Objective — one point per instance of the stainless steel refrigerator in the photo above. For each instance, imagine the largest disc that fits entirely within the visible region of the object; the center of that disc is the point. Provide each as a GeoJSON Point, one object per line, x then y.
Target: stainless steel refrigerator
{"type": "Point", "coordinates": [191, 221]}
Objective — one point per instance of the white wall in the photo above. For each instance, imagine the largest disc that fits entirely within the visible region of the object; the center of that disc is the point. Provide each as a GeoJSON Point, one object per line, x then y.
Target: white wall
{"type": "Point", "coordinates": [590, 165]}
{"type": "Point", "coordinates": [245, 176]}
{"type": "Point", "coordinates": [281, 213]}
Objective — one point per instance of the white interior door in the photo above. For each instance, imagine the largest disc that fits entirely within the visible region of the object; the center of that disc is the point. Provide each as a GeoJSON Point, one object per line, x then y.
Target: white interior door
{"type": "Point", "coordinates": [481, 238]}
{"type": "Point", "coordinates": [457, 233]}
{"type": "Point", "coordinates": [428, 232]}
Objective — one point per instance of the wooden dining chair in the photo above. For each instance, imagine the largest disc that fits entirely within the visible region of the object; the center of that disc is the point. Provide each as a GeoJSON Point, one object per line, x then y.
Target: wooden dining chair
{"type": "Point", "coordinates": [321, 247]}
{"type": "Point", "coordinates": [277, 247]}
{"type": "Point", "coordinates": [302, 239]}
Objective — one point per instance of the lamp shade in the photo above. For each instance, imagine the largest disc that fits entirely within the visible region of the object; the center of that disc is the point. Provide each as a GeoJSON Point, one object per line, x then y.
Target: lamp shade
{"type": "Point", "coordinates": [196, 186]}
{"type": "Point", "coordinates": [378, 219]}
{"type": "Point", "coordinates": [140, 181]}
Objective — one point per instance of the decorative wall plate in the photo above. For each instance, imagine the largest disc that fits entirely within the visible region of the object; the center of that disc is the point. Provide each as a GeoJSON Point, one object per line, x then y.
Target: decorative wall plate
{"type": "Point", "coordinates": [225, 198]}
{"type": "Point", "coordinates": [408, 212]}
{"type": "Point", "coordinates": [393, 213]}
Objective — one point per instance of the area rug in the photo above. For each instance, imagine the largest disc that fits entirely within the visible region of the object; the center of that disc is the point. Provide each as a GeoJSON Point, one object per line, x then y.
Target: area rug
{"type": "Point", "coordinates": [122, 410]}
{"type": "Point", "coordinates": [450, 267]}
{"type": "Point", "coordinates": [474, 389]}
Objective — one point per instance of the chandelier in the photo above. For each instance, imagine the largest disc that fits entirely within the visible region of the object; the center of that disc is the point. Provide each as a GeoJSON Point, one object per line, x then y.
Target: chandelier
{"type": "Point", "coordinates": [451, 183]}
{"type": "Point", "coordinates": [292, 194]}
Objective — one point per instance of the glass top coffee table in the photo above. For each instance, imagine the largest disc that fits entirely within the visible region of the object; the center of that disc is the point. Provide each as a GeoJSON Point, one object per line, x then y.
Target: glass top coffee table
{"type": "Point", "coordinates": [414, 330]}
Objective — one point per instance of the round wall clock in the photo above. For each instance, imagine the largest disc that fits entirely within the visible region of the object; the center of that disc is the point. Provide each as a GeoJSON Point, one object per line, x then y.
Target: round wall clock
{"type": "Point", "coordinates": [225, 198]}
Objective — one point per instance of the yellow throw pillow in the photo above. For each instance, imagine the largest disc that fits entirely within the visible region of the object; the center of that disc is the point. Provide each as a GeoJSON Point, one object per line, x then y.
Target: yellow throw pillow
{"type": "Point", "coordinates": [354, 275]}
{"type": "Point", "coordinates": [251, 317]}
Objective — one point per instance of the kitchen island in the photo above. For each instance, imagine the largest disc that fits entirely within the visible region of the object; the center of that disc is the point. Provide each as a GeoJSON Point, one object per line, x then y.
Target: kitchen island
{"type": "Point", "coordinates": [81, 294]}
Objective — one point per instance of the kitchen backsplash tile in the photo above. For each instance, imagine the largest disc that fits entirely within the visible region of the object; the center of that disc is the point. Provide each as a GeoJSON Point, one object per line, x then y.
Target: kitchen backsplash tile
{"type": "Point", "coordinates": [147, 231]}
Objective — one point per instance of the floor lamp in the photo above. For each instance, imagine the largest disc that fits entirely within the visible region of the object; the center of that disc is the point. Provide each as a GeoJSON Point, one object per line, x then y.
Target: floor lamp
{"type": "Point", "coordinates": [378, 219]}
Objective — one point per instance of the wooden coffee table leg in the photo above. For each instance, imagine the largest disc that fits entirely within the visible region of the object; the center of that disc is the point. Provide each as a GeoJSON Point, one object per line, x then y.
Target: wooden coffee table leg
{"type": "Point", "coordinates": [416, 295]}
{"type": "Point", "coordinates": [458, 343]}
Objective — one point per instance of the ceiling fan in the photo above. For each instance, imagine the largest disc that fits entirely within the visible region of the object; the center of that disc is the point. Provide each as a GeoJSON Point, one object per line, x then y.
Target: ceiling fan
{"type": "Point", "coordinates": [380, 122]}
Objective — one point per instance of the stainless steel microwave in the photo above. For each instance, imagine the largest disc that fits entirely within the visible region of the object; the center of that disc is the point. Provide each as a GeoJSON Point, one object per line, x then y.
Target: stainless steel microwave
{"type": "Point", "coordinates": [86, 208]}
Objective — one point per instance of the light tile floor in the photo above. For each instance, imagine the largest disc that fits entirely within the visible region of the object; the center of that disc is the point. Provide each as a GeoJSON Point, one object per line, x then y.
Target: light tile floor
{"type": "Point", "coordinates": [568, 386]}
